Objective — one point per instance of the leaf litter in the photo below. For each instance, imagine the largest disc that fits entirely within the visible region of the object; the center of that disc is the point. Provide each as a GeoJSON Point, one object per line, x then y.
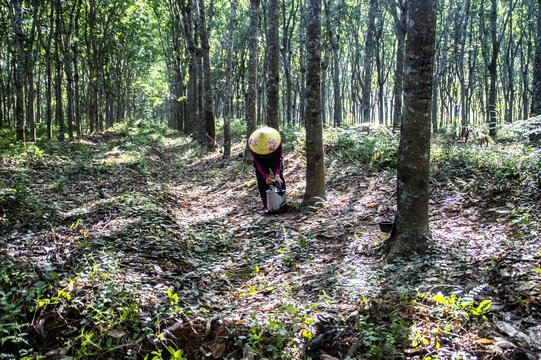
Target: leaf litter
{"type": "Point", "coordinates": [182, 238]}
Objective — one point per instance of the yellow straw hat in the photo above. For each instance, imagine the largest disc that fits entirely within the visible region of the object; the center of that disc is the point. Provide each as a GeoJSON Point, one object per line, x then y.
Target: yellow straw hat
{"type": "Point", "coordinates": [265, 140]}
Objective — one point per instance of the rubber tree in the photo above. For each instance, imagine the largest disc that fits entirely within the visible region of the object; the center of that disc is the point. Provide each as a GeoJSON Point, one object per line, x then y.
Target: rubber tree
{"type": "Point", "coordinates": [536, 83]}
{"type": "Point", "coordinates": [411, 232]}
{"type": "Point", "coordinates": [208, 103]}
{"type": "Point", "coordinates": [228, 86]}
{"type": "Point", "coordinates": [273, 48]}
{"type": "Point", "coordinates": [315, 171]}
{"type": "Point", "coordinates": [16, 19]}
{"type": "Point", "coordinates": [251, 92]}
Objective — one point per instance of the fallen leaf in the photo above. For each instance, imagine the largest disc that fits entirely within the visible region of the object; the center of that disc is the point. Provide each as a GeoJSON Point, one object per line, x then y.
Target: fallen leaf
{"type": "Point", "coordinates": [484, 341]}
{"type": "Point", "coordinates": [117, 334]}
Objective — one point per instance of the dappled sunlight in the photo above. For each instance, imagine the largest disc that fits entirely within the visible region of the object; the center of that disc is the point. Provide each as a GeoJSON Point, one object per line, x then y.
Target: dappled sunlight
{"type": "Point", "coordinates": [172, 238]}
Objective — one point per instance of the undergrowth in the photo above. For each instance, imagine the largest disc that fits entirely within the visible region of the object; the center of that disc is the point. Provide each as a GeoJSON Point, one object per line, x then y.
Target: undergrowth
{"type": "Point", "coordinates": [102, 310]}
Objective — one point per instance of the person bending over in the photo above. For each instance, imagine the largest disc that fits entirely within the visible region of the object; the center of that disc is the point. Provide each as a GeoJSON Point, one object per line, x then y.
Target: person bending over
{"type": "Point", "coordinates": [266, 146]}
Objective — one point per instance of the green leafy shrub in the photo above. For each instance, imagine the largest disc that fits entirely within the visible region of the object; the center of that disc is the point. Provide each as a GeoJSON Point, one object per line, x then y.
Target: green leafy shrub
{"type": "Point", "coordinates": [503, 170]}
{"type": "Point", "coordinates": [292, 136]}
{"type": "Point", "coordinates": [238, 128]}
{"type": "Point", "coordinates": [377, 150]}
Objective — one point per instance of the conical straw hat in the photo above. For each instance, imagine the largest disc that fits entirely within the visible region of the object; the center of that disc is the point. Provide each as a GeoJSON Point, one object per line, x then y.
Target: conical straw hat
{"type": "Point", "coordinates": [265, 140]}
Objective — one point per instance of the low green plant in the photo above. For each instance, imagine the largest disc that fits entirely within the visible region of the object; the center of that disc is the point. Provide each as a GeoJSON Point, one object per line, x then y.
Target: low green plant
{"type": "Point", "coordinates": [17, 295]}
{"type": "Point", "coordinates": [377, 150]}
{"type": "Point", "coordinates": [294, 247]}
{"type": "Point", "coordinates": [441, 320]}
{"type": "Point", "coordinates": [238, 127]}
{"type": "Point", "coordinates": [383, 339]}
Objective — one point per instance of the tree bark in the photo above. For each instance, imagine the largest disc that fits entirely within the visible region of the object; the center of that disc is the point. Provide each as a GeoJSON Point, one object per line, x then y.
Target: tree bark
{"type": "Point", "coordinates": [273, 46]}
{"type": "Point", "coordinates": [302, 65]}
{"type": "Point", "coordinates": [228, 86]}
{"type": "Point", "coordinates": [536, 81]}
{"type": "Point", "coordinates": [411, 231]}
{"type": "Point", "coordinates": [398, 87]}
{"type": "Point", "coordinates": [368, 61]}
{"type": "Point", "coordinates": [208, 104]}
{"type": "Point", "coordinates": [323, 99]}
{"type": "Point", "coordinates": [492, 70]}
{"type": "Point", "coordinates": [333, 42]}
{"type": "Point", "coordinates": [289, 24]}
{"type": "Point", "coordinates": [251, 93]}
{"type": "Point", "coordinates": [59, 75]}
{"type": "Point", "coordinates": [19, 73]}
{"type": "Point", "coordinates": [461, 75]}
{"type": "Point", "coordinates": [192, 124]}
{"type": "Point", "coordinates": [75, 49]}
{"type": "Point", "coordinates": [315, 171]}
{"type": "Point", "coordinates": [29, 65]}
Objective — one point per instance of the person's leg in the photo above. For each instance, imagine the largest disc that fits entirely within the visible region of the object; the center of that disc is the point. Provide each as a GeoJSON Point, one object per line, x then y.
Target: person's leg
{"type": "Point", "coordinates": [263, 187]}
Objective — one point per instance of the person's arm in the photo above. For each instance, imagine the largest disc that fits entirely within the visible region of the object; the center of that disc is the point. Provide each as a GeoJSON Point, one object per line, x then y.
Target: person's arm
{"type": "Point", "coordinates": [280, 157]}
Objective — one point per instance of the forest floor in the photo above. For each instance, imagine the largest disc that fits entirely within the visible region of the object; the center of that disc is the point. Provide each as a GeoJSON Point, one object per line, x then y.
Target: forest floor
{"type": "Point", "coordinates": [137, 243]}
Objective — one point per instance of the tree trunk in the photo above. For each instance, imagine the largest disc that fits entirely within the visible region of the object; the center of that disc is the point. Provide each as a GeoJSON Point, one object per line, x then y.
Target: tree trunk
{"type": "Point", "coordinates": [30, 97]}
{"type": "Point", "coordinates": [302, 65]}
{"type": "Point", "coordinates": [75, 49]}
{"type": "Point", "coordinates": [411, 231]}
{"type": "Point", "coordinates": [59, 74]}
{"type": "Point", "coordinates": [315, 171]}
{"type": "Point", "coordinates": [536, 81]}
{"type": "Point", "coordinates": [367, 80]}
{"type": "Point", "coordinates": [461, 76]}
{"type": "Point", "coordinates": [228, 86]}
{"type": "Point", "coordinates": [398, 87]}
{"type": "Point", "coordinates": [251, 93]}
{"type": "Point", "coordinates": [49, 76]}
{"type": "Point", "coordinates": [273, 46]}
{"type": "Point", "coordinates": [19, 74]}
{"type": "Point", "coordinates": [288, 31]}
{"type": "Point", "coordinates": [208, 107]}
{"type": "Point", "coordinates": [333, 42]}
{"type": "Point", "coordinates": [192, 124]}
{"type": "Point", "coordinates": [323, 99]}
{"type": "Point", "coordinates": [492, 70]}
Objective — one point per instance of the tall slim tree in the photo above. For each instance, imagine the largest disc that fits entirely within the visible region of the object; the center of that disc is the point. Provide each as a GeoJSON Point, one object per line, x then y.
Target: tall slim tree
{"type": "Point", "coordinates": [59, 114]}
{"type": "Point", "coordinates": [251, 92]}
{"type": "Point", "coordinates": [273, 48]}
{"type": "Point", "coordinates": [29, 70]}
{"type": "Point", "coordinates": [228, 86]}
{"type": "Point", "coordinates": [191, 120]}
{"type": "Point", "coordinates": [16, 19]}
{"type": "Point", "coordinates": [536, 83]}
{"type": "Point", "coordinates": [400, 23]}
{"type": "Point", "coordinates": [208, 104]}
{"type": "Point", "coordinates": [412, 232]}
{"type": "Point", "coordinates": [461, 74]}
{"type": "Point", "coordinates": [368, 61]}
{"type": "Point", "coordinates": [315, 170]}
{"type": "Point", "coordinates": [334, 46]}
{"type": "Point", "coordinates": [492, 54]}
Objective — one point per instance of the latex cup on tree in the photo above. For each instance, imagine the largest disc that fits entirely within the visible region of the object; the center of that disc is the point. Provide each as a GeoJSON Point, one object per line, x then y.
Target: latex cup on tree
{"type": "Point", "coordinates": [265, 140]}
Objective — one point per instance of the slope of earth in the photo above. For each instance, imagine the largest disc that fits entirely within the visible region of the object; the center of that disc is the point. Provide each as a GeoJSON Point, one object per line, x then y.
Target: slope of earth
{"type": "Point", "coordinates": [135, 243]}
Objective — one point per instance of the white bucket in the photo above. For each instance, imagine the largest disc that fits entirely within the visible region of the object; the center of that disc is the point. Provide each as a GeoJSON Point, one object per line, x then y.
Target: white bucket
{"type": "Point", "coordinates": [275, 199]}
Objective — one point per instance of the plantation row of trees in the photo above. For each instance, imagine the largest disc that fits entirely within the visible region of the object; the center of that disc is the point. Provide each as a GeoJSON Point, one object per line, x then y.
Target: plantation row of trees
{"type": "Point", "coordinates": [485, 54]}
{"type": "Point", "coordinates": [83, 65]}
{"type": "Point", "coordinates": [77, 65]}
